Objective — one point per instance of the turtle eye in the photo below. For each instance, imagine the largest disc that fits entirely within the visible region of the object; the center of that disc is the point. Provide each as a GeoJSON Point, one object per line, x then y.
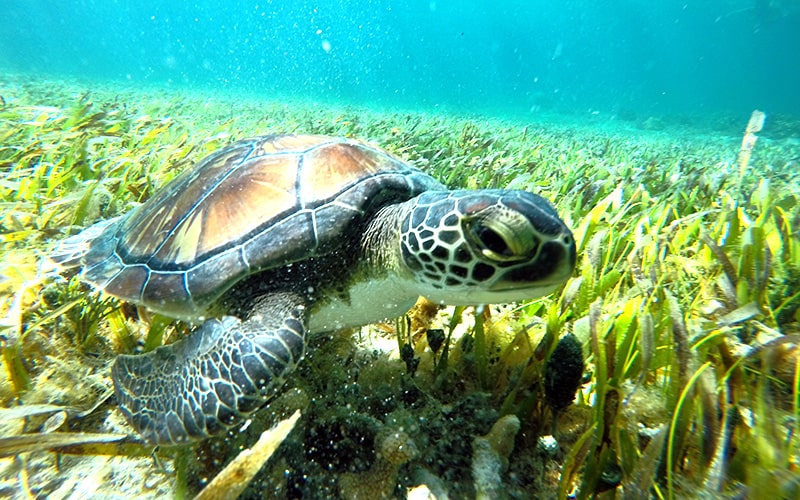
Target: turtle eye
{"type": "Point", "coordinates": [492, 242]}
{"type": "Point", "coordinates": [502, 236]}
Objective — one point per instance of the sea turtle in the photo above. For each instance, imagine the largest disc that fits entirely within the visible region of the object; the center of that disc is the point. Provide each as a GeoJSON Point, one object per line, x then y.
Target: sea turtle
{"type": "Point", "coordinates": [275, 237]}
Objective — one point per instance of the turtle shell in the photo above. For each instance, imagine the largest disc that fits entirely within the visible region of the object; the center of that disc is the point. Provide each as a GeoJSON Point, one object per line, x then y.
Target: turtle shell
{"type": "Point", "coordinates": [258, 204]}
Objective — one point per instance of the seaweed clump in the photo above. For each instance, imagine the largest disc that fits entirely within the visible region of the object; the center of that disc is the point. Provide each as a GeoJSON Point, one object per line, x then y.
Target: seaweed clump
{"type": "Point", "coordinates": [563, 374]}
{"type": "Point", "coordinates": [342, 443]}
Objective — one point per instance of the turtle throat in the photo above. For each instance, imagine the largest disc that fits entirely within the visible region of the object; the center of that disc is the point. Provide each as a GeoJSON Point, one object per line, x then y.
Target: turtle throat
{"type": "Point", "coordinates": [380, 288]}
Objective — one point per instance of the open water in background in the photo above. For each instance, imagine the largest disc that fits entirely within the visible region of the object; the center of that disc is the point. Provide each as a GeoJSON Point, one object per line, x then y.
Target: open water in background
{"type": "Point", "coordinates": [506, 58]}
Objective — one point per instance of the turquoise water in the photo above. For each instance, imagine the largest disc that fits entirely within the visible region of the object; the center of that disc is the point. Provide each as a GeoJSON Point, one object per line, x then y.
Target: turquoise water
{"type": "Point", "coordinates": [518, 58]}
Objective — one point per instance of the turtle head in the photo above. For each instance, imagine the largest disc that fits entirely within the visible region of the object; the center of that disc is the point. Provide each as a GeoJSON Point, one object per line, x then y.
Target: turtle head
{"type": "Point", "coordinates": [486, 246]}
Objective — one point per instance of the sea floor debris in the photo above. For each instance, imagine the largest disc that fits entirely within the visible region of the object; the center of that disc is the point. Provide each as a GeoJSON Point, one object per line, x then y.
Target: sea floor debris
{"type": "Point", "coordinates": [236, 476]}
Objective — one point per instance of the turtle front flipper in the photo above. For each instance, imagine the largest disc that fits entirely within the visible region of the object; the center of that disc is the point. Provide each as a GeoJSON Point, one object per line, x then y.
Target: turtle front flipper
{"type": "Point", "coordinates": [212, 379]}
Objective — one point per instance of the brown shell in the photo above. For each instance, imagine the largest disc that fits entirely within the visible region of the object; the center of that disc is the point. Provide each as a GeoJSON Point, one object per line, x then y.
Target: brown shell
{"type": "Point", "coordinates": [257, 204]}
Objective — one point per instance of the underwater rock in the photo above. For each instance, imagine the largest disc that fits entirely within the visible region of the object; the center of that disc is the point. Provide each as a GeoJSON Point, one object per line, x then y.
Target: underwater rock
{"type": "Point", "coordinates": [396, 448]}
{"type": "Point", "coordinates": [430, 486]}
{"type": "Point", "coordinates": [486, 470]}
{"type": "Point", "coordinates": [421, 492]}
{"type": "Point", "coordinates": [376, 483]}
{"type": "Point", "coordinates": [393, 449]}
{"type": "Point", "coordinates": [490, 456]}
{"type": "Point", "coordinates": [548, 445]}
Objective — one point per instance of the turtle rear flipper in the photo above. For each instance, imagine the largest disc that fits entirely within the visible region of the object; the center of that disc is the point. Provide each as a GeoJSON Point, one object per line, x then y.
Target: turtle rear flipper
{"type": "Point", "coordinates": [211, 380]}
{"type": "Point", "coordinates": [71, 251]}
